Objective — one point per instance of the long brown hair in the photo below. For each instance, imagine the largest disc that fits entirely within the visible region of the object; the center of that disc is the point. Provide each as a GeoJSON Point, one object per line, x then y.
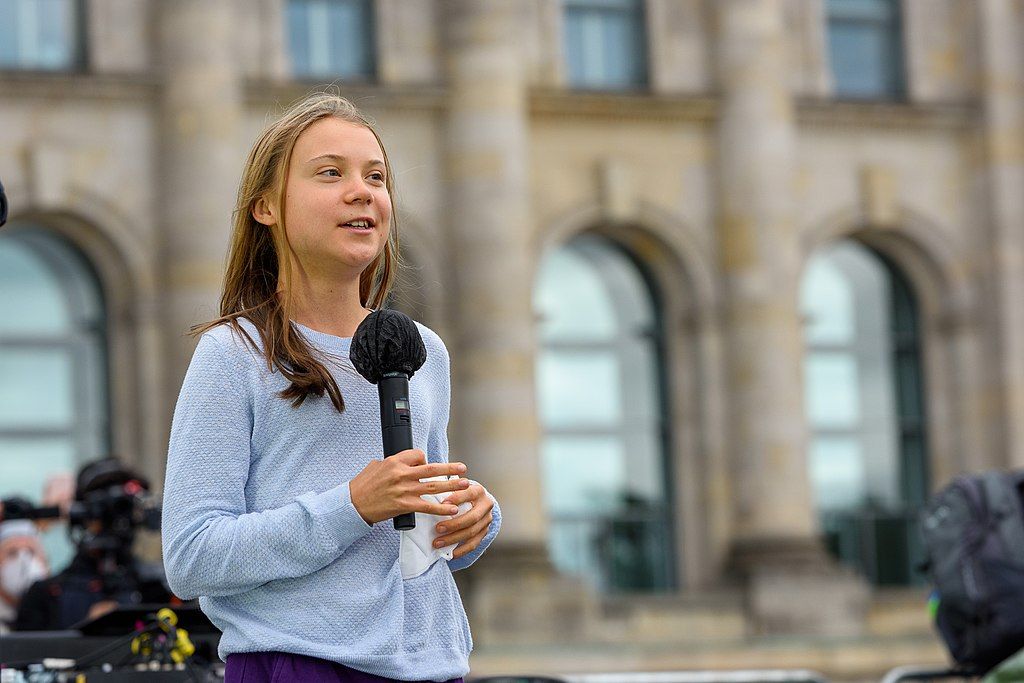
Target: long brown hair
{"type": "Point", "coordinates": [258, 265]}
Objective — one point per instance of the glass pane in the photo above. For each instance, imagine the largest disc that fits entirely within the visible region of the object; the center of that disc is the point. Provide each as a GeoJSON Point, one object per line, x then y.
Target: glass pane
{"type": "Point", "coordinates": [351, 55]}
{"type": "Point", "coordinates": [860, 60]}
{"type": "Point", "coordinates": [36, 388]}
{"type": "Point", "coordinates": [863, 10]}
{"type": "Point", "coordinates": [32, 301]}
{"type": "Point", "coordinates": [298, 35]}
{"type": "Point", "coordinates": [25, 464]}
{"type": "Point", "coordinates": [623, 282]}
{"type": "Point", "coordinates": [9, 39]}
{"type": "Point", "coordinates": [865, 47]}
{"type": "Point", "coordinates": [38, 34]}
{"type": "Point", "coordinates": [583, 474]}
{"type": "Point", "coordinates": [579, 388]}
{"type": "Point", "coordinates": [331, 37]}
{"type": "Point", "coordinates": [837, 473]}
{"type": "Point", "coordinates": [605, 44]}
{"type": "Point", "coordinates": [55, 33]}
{"type": "Point", "coordinates": [645, 487]}
{"type": "Point", "coordinates": [620, 5]}
{"type": "Point", "coordinates": [623, 47]}
{"type": "Point", "coordinates": [833, 391]}
{"type": "Point", "coordinates": [826, 303]}
{"type": "Point", "coordinates": [572, 300]}
{"type": "Point", "coordinates": [572, 547]}
{"type": "Point", "coordinates": [641, 380]}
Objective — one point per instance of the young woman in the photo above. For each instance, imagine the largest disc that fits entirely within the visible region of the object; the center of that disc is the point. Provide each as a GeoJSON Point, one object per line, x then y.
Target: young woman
{"type": "Point", "coordinates": [277, 502]}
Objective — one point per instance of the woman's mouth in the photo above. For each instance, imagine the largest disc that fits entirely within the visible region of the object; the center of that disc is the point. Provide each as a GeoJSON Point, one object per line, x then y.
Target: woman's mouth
{"type": "Point", "coordinates": [358, 226]}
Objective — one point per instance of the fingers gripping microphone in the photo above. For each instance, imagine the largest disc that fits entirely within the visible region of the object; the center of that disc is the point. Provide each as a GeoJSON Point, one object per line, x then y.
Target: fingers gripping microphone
{"type": "Point", "coordinates": [387, 350]}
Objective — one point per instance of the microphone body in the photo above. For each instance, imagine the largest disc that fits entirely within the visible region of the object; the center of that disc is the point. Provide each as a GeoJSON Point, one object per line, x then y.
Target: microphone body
{"type": "Point", "coordinates": [396, 426]}
{"type": "Point", "coordinates": [387, 350]}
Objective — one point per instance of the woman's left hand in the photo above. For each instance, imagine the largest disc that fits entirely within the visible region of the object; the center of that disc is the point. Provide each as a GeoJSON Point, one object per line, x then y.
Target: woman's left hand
{"type": "Point", "coordinates": [469, 528]}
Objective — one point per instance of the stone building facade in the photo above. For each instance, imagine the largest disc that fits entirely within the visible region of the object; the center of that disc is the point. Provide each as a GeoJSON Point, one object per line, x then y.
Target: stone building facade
{"type": "Point", "coordinates": [718, 176]}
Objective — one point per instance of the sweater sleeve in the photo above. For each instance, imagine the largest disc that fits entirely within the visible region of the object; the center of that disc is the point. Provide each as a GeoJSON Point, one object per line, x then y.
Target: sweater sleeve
{"type": "Point", "coordinates": [212, 545]}
{"type": "Point", "coordinates": [437, 449]}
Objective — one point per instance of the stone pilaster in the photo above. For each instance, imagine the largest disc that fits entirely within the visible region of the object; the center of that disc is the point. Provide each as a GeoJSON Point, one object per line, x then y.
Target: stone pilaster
{"type": "Point", "coordinates": [775, 544]}
{"type": "Point", "coordinates": [1002, 96]}
{"type": "Point", "coordinates": [198, 163]}
{"type": "Point", "coordinates": [494, 406]}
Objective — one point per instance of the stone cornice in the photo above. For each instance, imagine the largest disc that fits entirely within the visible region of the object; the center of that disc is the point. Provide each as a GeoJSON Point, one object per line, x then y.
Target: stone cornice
{"type": "Point", "coordinates": [368, 96]}
{"type": "Point", "coordinates": [888, 115]}
{"type": "Point", "coordinates": [704, 109]}
{"type": "Point", "coordinates": [621, 106]}
{"type": "Point", "coordinates": [76, 86]}
{"type": "Point", "coordinates": [543, 103]}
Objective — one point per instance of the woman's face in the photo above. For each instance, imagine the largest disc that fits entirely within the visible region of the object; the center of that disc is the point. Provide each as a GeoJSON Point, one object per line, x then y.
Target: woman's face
{"type": "Point", "coordinates": [336, 176]}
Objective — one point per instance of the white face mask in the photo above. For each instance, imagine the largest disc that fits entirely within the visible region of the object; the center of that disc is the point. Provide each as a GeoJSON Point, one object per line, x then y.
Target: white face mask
{"type": "Point", "coordinates": [20, 572]}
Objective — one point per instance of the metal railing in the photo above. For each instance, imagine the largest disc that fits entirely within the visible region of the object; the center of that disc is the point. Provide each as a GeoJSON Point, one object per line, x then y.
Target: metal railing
{"type": "Point", "coordinates": [734, 676]}
{"type": "Point", "coordinates": [623, 553]}
{"type": "Point", "coordinates": [856, 538]}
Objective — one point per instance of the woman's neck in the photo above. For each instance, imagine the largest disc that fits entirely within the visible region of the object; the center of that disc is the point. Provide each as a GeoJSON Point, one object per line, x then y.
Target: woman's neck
{"type": "Point", "coordinates": [329, 307]}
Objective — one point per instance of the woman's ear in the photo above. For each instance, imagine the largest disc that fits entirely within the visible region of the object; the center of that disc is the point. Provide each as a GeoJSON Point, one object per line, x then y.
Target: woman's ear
{"type": "Point", "coordinates": [264, 212]}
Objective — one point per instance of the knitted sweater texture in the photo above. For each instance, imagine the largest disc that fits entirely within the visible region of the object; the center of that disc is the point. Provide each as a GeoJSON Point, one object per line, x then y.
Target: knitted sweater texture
{"type": "Point", "coordinates": [258, 521]}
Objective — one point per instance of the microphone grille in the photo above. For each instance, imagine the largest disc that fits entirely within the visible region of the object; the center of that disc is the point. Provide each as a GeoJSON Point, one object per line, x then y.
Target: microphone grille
{"type": "Point", "coordinates": [387, 341]}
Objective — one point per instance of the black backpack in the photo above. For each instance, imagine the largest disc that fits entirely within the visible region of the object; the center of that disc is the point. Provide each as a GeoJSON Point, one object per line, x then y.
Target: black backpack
{"type": "Point", "coordinates": [973, 533]}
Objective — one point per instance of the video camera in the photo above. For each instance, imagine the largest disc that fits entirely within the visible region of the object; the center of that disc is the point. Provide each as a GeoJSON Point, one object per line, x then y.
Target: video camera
{"type": "Point", "coordinates": [20, 508]}
{"type": "Point", "coordinates": [120, 510]}
{"type": "Point", "coordinates": [111, 503]}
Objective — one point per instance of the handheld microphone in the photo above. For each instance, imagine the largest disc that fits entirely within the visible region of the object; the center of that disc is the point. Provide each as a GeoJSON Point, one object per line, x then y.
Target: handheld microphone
{"type": "Point", "coordinates": [387, 350]}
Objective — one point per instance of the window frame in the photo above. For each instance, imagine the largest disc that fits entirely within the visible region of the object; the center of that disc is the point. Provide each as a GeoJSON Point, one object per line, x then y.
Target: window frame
{"type": "Point", "coordinates": [90, 431]}
{"type": "Point", "coordinates": [661, 515]}
{"type": "Point", "coordinates": [372, 72]}
{"type": "Point", "coordinates": [641, 14]}
{"type": "Point", "coordinates": [78, 54]}
{"type": "Point", "coordinates": [896, 88]}
{"type": "Point", "coordinates": [858, 544]}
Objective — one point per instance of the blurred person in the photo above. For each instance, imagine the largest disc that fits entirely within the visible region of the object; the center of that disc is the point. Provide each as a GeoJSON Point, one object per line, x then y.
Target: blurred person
{"type": "Point", "coordinates": [103, 573]}
{"type": "Point", "coordinates": [277, 501]}
{"type": "Point", "coordinates": [58, 492]}
{"type": "Point", "coordinates": [22, 563]}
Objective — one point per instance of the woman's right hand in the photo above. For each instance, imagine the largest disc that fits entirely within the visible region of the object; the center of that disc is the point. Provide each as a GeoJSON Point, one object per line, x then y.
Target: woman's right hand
{"type": "Point", "coordinates": [391, 487]}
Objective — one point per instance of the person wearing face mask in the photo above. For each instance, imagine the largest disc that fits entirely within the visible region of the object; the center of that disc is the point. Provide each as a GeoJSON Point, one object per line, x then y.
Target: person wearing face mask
{"type": "Point", "coordinates": [22, 563]}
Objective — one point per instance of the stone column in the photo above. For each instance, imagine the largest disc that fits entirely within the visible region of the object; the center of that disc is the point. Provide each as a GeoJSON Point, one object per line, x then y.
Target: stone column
{"type": "Point", "coordinates": [495, 429]}
{"type": "Point", "coordinates": [775, 528]}
{"type": "Point", "coordinates": [1002, 96]}
{"type": "Point", "coordinates": [198, 164]}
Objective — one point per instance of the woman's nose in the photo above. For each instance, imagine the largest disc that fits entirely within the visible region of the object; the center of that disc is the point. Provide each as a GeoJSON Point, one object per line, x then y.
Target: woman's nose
{"type": "Point", "coordinates": [358, 191]}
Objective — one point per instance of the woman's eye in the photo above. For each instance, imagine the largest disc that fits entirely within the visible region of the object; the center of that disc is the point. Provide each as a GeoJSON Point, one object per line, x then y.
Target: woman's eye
{"type": "Point", "coordinates": [377, 176]}
{"type": "Point", "coordinates": [330, 170]}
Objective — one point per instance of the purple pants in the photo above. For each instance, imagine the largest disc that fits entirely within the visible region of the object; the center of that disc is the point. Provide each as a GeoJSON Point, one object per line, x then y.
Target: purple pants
{"type": "Point", "coordinates": [284, 667]}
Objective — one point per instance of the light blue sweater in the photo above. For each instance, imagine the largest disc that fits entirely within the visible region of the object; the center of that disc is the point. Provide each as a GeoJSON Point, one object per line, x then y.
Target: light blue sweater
{"type": "Point", "coordinates": [259, 524]}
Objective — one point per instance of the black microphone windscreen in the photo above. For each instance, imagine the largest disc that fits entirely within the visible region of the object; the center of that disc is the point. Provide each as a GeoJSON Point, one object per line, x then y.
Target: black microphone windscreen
{"type": "Point", "coordinates": [387, 341]}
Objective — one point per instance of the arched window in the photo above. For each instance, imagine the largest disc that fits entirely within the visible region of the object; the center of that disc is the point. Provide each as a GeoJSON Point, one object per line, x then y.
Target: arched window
{"type": "Point", "coordinates": [864, 406]}
{"type": "Point", "coordinates": [599, 374]}
{"type": "Point", "coordinates": [54, 411]}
